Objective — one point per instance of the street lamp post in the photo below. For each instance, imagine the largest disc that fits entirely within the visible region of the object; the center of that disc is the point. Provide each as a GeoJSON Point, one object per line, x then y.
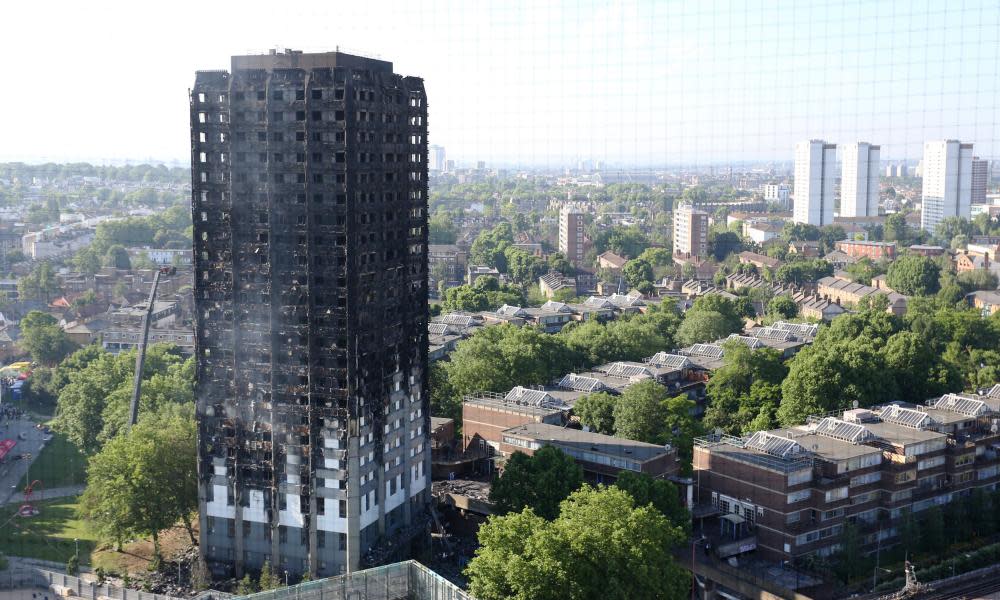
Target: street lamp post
{"type": "Point", "coordinates": [286, 578]}
{"type": "Point", "coordinates": [77, 542]}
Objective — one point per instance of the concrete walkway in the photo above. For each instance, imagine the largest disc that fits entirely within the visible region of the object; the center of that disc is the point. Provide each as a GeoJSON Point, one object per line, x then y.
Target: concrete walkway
{"type": "Point", "coordinates": [44, 494]}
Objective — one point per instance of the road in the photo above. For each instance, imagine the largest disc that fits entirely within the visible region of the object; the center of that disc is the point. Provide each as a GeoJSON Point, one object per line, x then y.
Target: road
{"type": "Point", "coordinates": [11, 471]}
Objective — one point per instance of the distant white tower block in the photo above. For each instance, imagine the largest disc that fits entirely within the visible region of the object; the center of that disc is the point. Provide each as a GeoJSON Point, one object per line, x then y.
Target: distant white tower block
{"type": "Point", "coordinates": [859, 180]}
{"type": "Point", "coordinates": [815, 176]}
{"type": "Point", "coordinates": [947, 182]}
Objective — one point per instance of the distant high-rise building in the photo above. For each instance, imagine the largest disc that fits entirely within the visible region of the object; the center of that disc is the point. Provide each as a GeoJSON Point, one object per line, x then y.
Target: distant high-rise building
{"type": "Point", "coordinates": [437, 158]}
{"type": "Point", "coordinates": [980, 179]}
{"type": "Point", "coordinates": [571, 234]}
{"type": "Point", "coordinates": [947, 182]}
{"type": "Point", "coordinates": [449, 165]}
{"type": "Point", "coordinates": [311, 303]}
{"type": "Point", "coordinates": [815, 182]}
{"type": "Point", "coordinates": [900, 170]}
{"type": "Point", "coordinates": [779, 193]}
{"type": "Point", "coordinates": [481, 165]}
{"type": "Point", "coordinates": [690, 232]}
{"type": "Point", "coordinates": [890, 171]}
{"type": "Point", "coordinates": [859, 181]}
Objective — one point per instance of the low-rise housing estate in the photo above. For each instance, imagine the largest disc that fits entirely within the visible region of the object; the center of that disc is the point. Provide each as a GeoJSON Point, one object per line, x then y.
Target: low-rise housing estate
{"type": "Point", "coordinates": [788, 493]}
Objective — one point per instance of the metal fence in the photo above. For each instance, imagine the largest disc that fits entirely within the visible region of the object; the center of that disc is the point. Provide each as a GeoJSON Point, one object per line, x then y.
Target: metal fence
{"type": "Point", "coordinates": [403, 580]}
{"type": "Point", "coordinates": [408, 580]}
{"type": "Point", "coordinates": [28, 576]}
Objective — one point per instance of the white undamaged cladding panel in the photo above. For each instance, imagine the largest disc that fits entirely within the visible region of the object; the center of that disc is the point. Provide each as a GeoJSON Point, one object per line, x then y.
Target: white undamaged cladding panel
{"type": "Point", "coordinates": [371, 515]}
{"type": "Point", "coordinates": [394, 500]}
{"type": "Point", "coordinates": [331, 520]}
{"type": "Point", "coordinates": [256, 512]}
{"type": "Point", "coordinates": [291, 516]}
{"type": "Point", "coordinates": [418, 478]}
{"type": "Point", "coordinates": [219, 505]}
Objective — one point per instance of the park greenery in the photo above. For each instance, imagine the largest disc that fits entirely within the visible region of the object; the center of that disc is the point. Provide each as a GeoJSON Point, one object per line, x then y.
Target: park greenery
{"type": "Point", "coordinates": [151, 469]}
{"type": "Point", "coordinates": [150, 466]}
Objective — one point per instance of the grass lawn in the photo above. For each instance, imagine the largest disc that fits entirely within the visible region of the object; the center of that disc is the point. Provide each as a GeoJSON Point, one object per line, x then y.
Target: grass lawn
{"type": "Point", "coordinates": [60, 464]}
{"type": "Point", "coordinates": [49, 535]}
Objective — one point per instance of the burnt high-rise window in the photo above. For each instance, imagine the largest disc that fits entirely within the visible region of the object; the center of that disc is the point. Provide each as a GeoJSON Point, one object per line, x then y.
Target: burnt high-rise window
{"type": "Point", "coordinates": [311, 302]}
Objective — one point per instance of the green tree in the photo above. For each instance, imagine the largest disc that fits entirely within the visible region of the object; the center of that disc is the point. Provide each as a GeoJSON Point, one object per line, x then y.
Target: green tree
{"type": "Point", "coordinates": [557, 262]}
{"type": "Point", "coordinates": [486, 294]}
{"type": "Point", "coordinates": [42, 337]}
{"type": "Point", "coordinates": [247, 586]}
{"type": "Point", "coordinates": [444, 401]}
{"type": "Point", "coordinates": [539, 482]}
{"type": "Point", "coordinates": [73, 565]}
{"type": "Point", "coordinates": [489, 246]}
{"type": "Point", "coordinates": [932, 535]}
{"type": "Point", "coordinates": [40, 284]}
{"type": "Point", "coordinates": [782, 307]}
{"type": "Point", "coordinates": [629, 242]}
{"type": "Point", "coordinates": [830, 375]}
{"type": "Point", "coordinates": [747, 380]}
{"type": "Point", "coordinates": [522, 267]}
{"type": "Point", "coordinates": [681, 427]}
{"type": "Point", "coordinates": [145, 481]}
{"type": "Point", "coordinates": [498, 358]}
{"type": "Point", "coordinates": [268, 580]}
{"type": "Point", "coordinates": [93, 404]}
{"type": "Point", "coordinates": [637, 271]}
{"type": "Point", "coordinates": [724, 243]}
{"type": "Point", "coordinates": [913, 364]}
{"type": "Point", "coordinates": [639, 413]}
{"type": "Point", "coordinates": [596, 411]}
{"type": "Point", "coordinates": [117, 257]}
{"type": "Point", "coordinates": [87, 261]}
{"type": "Point", "coordinates": [441, 229]}
{"type": "Point", "coordinates": [865, 270]}
{"type": "Point", "coordinates": [600, 546]}
{"type": "Point", "coordinates": [977, 279]}
{"type": "Point", "coordinates": [849, 561]}
{"type": "Point", "coordinates": [914, 275]}
{"type": "Point", "coordinates": [660, 493]}
{"type": "Point", "coordinates": [800, 272]}
{"type": "Point", "coordinates": [896, 229]}
{"type": "Point", "coordinates": [658, 257]}
{"type": "Point", "coordinates": [702, 326]}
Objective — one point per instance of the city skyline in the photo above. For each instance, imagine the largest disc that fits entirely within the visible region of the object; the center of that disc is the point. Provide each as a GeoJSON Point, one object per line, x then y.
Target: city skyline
{"type": "Point", "coordinates": [632, 83]}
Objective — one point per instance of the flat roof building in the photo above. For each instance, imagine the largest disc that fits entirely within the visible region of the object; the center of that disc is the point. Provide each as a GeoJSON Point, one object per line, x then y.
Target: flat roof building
{"type": "Point", "coordinates": [797, 487]}
{"type": "Point", "coordinates": [602, 457]}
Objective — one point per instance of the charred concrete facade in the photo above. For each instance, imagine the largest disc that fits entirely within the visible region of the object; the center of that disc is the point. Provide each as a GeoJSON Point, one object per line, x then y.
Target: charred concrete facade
{"type": "Point", "coordinates": [310, 222]}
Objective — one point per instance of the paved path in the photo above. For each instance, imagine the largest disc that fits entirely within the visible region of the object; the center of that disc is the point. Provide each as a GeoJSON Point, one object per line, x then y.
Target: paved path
{"type": "Point", "coordinates": [43, 494]}
{"type": "Point", "coordinates": [12, 470]}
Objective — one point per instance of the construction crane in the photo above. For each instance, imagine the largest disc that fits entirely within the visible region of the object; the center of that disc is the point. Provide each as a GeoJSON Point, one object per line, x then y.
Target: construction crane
{"type": "Point", "coordinates": [140, 357]}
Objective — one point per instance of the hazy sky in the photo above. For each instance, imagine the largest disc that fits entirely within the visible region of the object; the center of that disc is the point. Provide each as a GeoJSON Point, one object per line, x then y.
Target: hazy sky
{"type": "Point", "coordinates": [529, 82]}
